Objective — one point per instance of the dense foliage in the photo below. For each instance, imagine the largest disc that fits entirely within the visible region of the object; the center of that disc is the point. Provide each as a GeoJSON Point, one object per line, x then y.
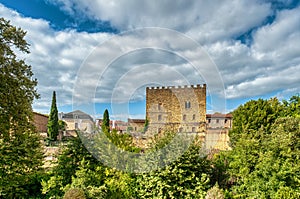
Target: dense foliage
{"type": "Point", "coordinates": [20, 146]}
{"type": "Point", "coordinates": [53, 124]}
{"type": "Point", "coordinates": [264, 162]}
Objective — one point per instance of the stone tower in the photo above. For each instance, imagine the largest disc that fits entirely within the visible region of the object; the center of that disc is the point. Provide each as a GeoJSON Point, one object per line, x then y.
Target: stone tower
{"type": "Point", "coordinates": [177, 109]}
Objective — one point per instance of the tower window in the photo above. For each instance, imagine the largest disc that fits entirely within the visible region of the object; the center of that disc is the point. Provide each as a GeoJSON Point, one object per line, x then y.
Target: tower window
{"type": "Point", "coordinates": [187, 104]}
{"type": "Point", "coordinates": [184, 117]}
{"type": "Point", "coordinates": [194, 116]}
{"type": "Point", "coordinates": [159, 118]}
{"type": "Point", "coordinates": [217, 120]}
{"type": "Point", "coordinates": [193, 129]}
{"type": "Point", "coordinates": [159, 106]}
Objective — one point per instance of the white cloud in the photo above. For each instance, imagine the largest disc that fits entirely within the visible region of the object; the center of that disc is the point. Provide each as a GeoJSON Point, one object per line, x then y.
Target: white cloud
{"type": "Point", "coordinates": [205, 21]}
{"type": "Point", "coordinates": [55, 56]}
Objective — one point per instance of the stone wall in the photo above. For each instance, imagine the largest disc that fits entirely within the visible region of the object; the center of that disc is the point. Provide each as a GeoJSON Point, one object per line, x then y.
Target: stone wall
{"type": "Point", "coordinates": [40, 121]}
{"type": "Point", "coordinates": [179, 109]}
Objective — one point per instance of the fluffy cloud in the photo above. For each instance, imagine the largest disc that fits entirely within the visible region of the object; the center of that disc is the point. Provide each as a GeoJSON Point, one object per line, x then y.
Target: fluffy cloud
{"type": "Point", "coordinates": [205, 21]}
{"type": "Point", "coordinates": [55, 56]}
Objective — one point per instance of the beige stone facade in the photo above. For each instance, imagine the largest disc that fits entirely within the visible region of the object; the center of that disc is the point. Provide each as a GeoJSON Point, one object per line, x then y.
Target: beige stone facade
{"type": "Point", "coordinates": [179, 109]}
{"type": "Point", "coordinates": [218, 126]}
{"type": "Point", "coordinates": [77, 120]}
{"type": "Point", "coordinates": [136, 125]}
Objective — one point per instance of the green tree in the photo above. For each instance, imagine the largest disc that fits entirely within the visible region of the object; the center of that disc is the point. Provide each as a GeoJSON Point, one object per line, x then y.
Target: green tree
{"type": "Point", "coordinates": [268, 167]}
{"type": "Point", "coordinates": [254, 115]}
{"type": "Point", "coordinates": [53, 125]}
{"type": "Point", "coordinates": [105, 122]}
{"type": "Point", "coordinates": [292, 106]}
{"type": "Point", "coordinates": [20, 146]}
{"type": "Point", "coordinates": [187, 177]}
{"type": "Point", "coordinates": [68, 162]}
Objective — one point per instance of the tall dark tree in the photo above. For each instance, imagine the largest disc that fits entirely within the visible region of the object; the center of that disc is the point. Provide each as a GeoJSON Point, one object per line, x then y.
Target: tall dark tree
{"type": "Point", "coordinates": [53, 125]}
{"type": "Point", "coordinates": [105, 121]}
{"type": "Point", "coordinates": [20, 146]}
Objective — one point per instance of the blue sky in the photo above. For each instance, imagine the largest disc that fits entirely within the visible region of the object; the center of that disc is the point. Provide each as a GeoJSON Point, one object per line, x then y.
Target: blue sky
{"type": "Point", "coordinates": [252, 46]}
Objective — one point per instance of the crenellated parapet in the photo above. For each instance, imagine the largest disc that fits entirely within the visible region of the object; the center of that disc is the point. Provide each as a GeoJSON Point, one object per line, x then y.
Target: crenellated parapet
{"type": "Point", "coordinates": [202, 86]}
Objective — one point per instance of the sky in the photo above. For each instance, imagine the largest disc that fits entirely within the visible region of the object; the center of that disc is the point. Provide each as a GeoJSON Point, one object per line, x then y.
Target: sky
{"type": "Point", "coordinates": [99, 54]}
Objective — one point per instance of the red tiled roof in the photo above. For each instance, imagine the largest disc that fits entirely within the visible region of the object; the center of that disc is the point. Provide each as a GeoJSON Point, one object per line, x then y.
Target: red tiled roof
{"type": "Point", "coordinates": [136, 120]}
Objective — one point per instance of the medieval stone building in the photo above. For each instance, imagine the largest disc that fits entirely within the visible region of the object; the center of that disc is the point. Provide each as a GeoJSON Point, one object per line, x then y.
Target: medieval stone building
{"type": "Point", "coordinates": [177, 109]}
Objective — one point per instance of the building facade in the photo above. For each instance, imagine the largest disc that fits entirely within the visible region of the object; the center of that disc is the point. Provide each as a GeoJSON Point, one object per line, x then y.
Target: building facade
{"type": "Point", "coordinates": [179, 109]}
{"type": "Point", "coordinates": [40, 122]}
{"type": "Point", "coordinates": [136, 125]}
{"type": "Point", "coordinates": [77, 120]}
{"type": "Point", "coordinates": [218, 126]}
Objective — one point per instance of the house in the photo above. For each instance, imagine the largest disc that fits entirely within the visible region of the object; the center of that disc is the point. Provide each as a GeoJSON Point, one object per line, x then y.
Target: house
{"type": "Point", "coordinates": [136, 125]}
{"type": "Point", "coordinates": [118, 125]}
{"type": "Point", "coordinates": [218, 120]}
{"type": "Point", "coordinates": [40, 121]}
{"type": "Point", "coordinates": [77, 120]}
{"type": "Point", "coordinates": [218, 126]}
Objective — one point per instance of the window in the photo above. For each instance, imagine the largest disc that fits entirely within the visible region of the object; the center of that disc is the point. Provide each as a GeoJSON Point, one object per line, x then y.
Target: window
{"type": "Point", "coordinates": [76, 125]}
{"type": "Point", "coordinates": [193, 129]}
{"type": "Point", "coordinates": [194, 117]}
{"type": "Point", "coordinates": [184, 117]}
{"type": "Point", "coordinates": [180, 129]}
{"type": "Point", "coordinates": [217, 121]}
{"type": "Point", "coordinates": [159, 130]}
{"type": "Point", "coordinates": [76, 116]}
{"type": "Point", "coordinates": [208, 120]}
{"type": "Point", "coordinates": [187, 104]}
{"type": "Point", "coordinates": [159, 118]}
{"type": "Point", "coordinates": [159, 106]}
{"type": "Point", "coordinates": [225, 121]}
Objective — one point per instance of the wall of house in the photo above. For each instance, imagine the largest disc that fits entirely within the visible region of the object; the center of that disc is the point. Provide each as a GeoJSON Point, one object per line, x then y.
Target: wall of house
{"type": "Point", "coordinates": [219, 122]}
{"type": "Point", "coordinates": [136, 126]}
{"type": "Point", "coordinates": [81, 124]}
{"type": "Point", "coordinates": [40, 121]}
{"type": "Point", "coordinates": [181, 109]}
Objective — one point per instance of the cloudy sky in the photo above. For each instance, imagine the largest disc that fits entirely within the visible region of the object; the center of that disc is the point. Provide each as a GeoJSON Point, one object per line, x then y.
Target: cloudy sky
{"type": "Point", "coordinates": [99, 54]}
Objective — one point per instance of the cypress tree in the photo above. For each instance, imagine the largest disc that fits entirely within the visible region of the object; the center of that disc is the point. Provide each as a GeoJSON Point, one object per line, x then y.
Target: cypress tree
{"type": "Point", "coordinates": [53, 125]}
{"type": "Point", "coordinates": [105, 121]}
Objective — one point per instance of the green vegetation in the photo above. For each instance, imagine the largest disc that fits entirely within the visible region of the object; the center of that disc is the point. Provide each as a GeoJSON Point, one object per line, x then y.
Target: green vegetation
{"type": "Point", "coordinates": [265, 159]}
{"type": "Point", "coordinates": [20, 146]}
{"type": "Point", "coordinates": [53, 125]}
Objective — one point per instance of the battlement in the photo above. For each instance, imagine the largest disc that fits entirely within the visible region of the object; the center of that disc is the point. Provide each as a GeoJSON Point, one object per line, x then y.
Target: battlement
{"type": "Point", "coordinates": [177, 87]}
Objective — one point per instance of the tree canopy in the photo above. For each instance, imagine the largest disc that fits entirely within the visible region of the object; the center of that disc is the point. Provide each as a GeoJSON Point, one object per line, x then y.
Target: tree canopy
{"type": "Point", "coordinates": [20, 146]}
